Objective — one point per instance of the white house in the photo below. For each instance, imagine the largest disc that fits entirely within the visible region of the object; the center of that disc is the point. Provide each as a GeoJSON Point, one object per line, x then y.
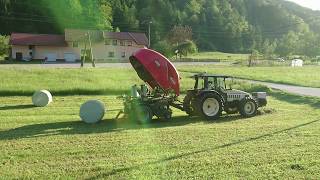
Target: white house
{"type": "Point", "coordinates": [72, 45]}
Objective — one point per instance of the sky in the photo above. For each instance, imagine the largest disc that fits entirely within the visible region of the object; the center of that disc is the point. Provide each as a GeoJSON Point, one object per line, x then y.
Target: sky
{"type": "Point", "coordinates": [313, 4]}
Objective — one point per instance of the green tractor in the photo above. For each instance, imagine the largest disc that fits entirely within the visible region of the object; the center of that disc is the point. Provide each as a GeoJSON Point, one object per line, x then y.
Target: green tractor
{"type": "Point", "coordinates": [211, 96]}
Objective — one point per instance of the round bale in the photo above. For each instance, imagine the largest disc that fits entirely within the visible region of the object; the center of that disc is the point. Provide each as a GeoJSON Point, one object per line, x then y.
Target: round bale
{"type": "Point", "coordinates": [41, 98]}
{"type": "Point", "coordinates": [92, 111]}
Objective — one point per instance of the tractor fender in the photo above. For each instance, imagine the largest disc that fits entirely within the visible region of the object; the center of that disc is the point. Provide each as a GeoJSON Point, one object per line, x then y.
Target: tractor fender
{"type": "Point", "coordinates": [211, 91]}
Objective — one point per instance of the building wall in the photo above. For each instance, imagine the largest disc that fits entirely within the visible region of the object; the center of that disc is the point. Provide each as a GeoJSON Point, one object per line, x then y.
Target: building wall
{"type": "Point", "coordinates": [122, 53]}
{"type": "Point", "coordinates": [42, 51]}
{"type": "Point", "coordinates": [100, 51]}
{"type": "Point", "coordinates": [23, 49]}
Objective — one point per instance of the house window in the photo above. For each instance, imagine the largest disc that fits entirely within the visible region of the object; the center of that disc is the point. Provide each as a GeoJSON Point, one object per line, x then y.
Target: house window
{"type": "Point", "coordinates": [31, 47]}
{"type": "Point", "coordinates": [111, 54]}
{"type": "Point", "coordinates": [129, 43]}
{"type": "Point", "coordinates": [107, 42]}
{"type": "Point", "coordinates": [123, 54]}
{"type": "Point", "coordinates": [122, 43]}
{"type": "Point", "coordinates": [115, 42]}
{"type": "Point", "coordinates": [75, 44]}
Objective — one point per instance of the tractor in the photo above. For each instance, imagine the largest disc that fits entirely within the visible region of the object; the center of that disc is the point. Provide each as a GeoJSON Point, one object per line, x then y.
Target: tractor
{"type": "Point", "coordinates": [209, 97]}
{"type": "Point", "coordinates": [213, 94]}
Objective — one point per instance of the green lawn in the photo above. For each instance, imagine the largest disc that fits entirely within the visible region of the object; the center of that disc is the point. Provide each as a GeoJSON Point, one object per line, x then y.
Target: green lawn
{"type": "Point", "coordinates": [305, 76]}
{"type": "Point", "coordinates": [117, 81]}
{"type": "Point", "coordinates": [52, 142]}
{"type": "Point", "coordinates": [24, 81]}
{"type": "Point", "coordinates": [219, 56]}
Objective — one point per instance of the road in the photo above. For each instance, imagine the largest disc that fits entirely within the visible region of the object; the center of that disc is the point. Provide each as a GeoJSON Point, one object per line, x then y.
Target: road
{"type": "Point", "coordinates": [306, 91]}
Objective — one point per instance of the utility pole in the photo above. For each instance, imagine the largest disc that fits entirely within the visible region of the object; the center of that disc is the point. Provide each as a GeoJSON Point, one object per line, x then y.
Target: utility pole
{"type": "Point", "coordinates": [149, 33]}
{"type": "Point", "coordinates": [91, 52]}
{"type": "Point", "coordinates": [83, 58]}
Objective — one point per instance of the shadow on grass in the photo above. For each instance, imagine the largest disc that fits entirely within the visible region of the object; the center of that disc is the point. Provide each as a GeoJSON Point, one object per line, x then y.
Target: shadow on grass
{"type": "Point", "coordinates": [105, 126]}
{"type": "Point", "coordinates": [296, 99]}
{"type": "Point", "coordinates": [182, 155]}
{"type": "Point", "coordinates": [71, 92]}
{"type": "Point", "coordinates": [28, 106]}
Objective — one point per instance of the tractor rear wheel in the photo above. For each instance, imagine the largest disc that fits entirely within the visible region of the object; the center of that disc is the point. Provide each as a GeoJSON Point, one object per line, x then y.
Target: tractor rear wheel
{"type": "Point", "coordinates": [210, 106]}
{"type": "Point", "coordinates": [248, 107]}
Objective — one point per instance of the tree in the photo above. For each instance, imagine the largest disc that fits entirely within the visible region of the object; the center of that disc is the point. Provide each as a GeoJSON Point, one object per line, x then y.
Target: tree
{"type": "Point", "coordinates": [4, 45]}
{"type": "Point", "coordinates": [164, 47]}
{"type": "Point", "coordinates": [289, 44]}
{"type": "Point", "coordinates": [311, 44]}
{"type": "Point", "coordinates": [187, 47]}
{"type": "Point", "coordinates": [180, 34]}
{"type": "Point", "coordinates": [268, 48]}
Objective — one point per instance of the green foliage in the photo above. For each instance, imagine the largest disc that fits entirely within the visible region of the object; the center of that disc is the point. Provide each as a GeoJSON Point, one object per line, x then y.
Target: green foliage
{"type": "Point", "coordinates": [80, 14]}
{"type": "Point", "coordinates": [164, 47]}
{"type": "Point", "coordinates": [187, 47]}
{"type": "Point", "coordinates": [268, 48]}
{"type": "Point", "coordinates": [180, 34]}
{"type": "Point", "coordinates": [4, 45]}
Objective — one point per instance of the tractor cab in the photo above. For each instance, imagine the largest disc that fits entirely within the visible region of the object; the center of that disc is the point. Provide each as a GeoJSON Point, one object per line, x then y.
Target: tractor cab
{"type": "Point", "coordinates": [212, 82]}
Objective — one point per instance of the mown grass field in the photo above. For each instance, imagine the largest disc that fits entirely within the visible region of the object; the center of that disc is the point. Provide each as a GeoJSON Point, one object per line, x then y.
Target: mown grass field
{"type": "Point", "coordinates": [52, 142]}
{"type": "Point", "coordinates": [24, 81]}
{"type": "Point", "coordinates": [305, 76]}
{"type": "Point", "coordinates": [219, 56]}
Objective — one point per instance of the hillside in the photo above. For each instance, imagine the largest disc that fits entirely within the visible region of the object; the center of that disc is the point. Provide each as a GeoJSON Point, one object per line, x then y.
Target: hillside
{"type": "Point", "coordinates": [223, 25]}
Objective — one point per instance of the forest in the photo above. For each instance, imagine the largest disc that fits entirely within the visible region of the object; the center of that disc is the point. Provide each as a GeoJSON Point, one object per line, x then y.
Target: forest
{"type": "Point", "coordinates": [241, 26]}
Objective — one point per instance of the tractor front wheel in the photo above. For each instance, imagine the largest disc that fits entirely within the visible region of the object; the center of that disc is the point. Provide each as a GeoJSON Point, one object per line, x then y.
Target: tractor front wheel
{"type": "Point", "coordinates": [188, 104]}
{"type": "Point", "coordinates": [210, 106]}
{"type": "Point", "coordinates": [248, 107]}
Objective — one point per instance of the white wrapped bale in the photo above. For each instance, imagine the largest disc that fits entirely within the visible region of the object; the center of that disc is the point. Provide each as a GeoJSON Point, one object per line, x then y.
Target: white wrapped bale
{"type": "Point", "coordinates": [41, 98]}
{"type": "Point", "coordinates": [92, 111]}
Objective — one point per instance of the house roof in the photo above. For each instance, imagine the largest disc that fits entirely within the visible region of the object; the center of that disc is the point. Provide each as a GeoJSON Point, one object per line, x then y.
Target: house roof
{"type": "Point", "coordinates": [80, 35]}
{"type": "Point", "coordinates": [37, 39]}
{"type": "Point", "coordinates": [97, 35]}
{"type": "Point", "coordinates": [139, 38]}
{"type": "Point", "coordinates": [74, 35]}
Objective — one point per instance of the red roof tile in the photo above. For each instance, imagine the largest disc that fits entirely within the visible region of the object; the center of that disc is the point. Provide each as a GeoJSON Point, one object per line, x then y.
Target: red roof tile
{"type": "Point", "coordinates": [37, 39]}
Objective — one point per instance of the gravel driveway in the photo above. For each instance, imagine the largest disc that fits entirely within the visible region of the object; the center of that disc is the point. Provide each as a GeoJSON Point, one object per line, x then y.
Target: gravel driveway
{"type": "Point", "coordinates": [306, 91]}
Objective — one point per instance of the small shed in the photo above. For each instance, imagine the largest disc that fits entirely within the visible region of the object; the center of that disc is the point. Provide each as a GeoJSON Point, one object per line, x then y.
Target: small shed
{"type": "Point", "coordinates": [297, 63]}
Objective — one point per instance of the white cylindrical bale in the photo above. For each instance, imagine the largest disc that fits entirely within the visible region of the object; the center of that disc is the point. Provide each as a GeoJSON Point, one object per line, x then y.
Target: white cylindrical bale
{"type": "Point", "coordinates": [92, 111]}
{"type": "Point", "coordinates": [41, 98]}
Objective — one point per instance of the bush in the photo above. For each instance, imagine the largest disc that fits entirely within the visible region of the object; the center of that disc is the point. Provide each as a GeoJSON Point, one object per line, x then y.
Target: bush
{"type": "Point", "coordinates": [4, 45]}
{"type": "Point", "coordinates": [164, 48]}
{"type": "Point", "coordinates": [187, 47]}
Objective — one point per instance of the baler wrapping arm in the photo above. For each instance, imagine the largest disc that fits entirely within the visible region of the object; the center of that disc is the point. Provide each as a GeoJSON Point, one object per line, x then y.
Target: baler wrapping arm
{"type": "Point", "coordinates": [156, 70]}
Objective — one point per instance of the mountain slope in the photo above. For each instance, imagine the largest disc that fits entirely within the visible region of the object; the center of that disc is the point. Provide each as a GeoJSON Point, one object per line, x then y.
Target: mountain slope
{"type": "Point", "coordinates": [224, 25]}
